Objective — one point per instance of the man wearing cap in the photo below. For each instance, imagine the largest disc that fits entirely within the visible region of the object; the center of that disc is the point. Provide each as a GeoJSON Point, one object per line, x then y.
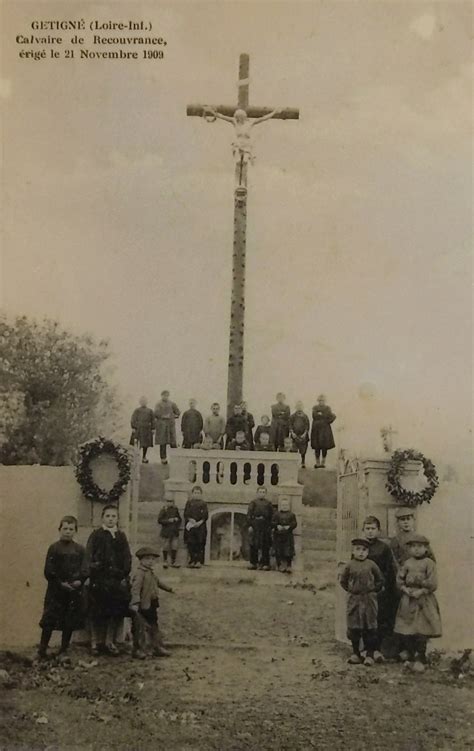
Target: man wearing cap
{"type": "Point", "coordinates": [166, 413]}
{"type": "Point", "coordinates": [405, 518]}
{"type": "Point", "coordinates": [145, 603]}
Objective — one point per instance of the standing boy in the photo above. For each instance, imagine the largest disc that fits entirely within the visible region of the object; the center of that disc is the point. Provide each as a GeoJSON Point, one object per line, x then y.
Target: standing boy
{"type": "Point", "coordinates": [259, 519]}
{"type": "Point", "coordinates": [361, 579]}
{"type": "Point", "coordinates": [236, 422]}
{"type": "Point", "coordinates": [195, 528]}
{"type": "Point", "coordinates": [169, 519]}
{"type": "Point", "coordinates": [284, 523]}
{"type": "Point", "coordinates": [280, 421]}
{"type": "Point", "coordinates": [405, 518]}
{"type": "Point", "coordinates": [387, 598]}
{"type": "Point", "coordinates": [143, 424]}
{"type": "Point", "coordinates": [191, 425]}
{"type": "Point", "coordinates": [214, 425]}
{"type": "Point", "coordinates": [144, 605]}
{"type": "Point", "coordinates": [299, 431]}
{"type": "Point", "coordinates": [166, 413]}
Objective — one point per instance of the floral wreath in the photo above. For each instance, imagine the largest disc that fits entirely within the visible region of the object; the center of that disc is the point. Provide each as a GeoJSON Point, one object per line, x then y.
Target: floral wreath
{"type": "Point", "coordinates": [91, 450]}
{"type": "Point", "coordinates": [394, 486]}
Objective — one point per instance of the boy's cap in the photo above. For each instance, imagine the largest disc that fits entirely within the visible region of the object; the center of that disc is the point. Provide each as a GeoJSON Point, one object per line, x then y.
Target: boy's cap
{"type": "Point", "coordinates": [142, 552]}
{"type": "Point", "coordinates": [404, 511]}
{"type": "Point", "coordinates": [360, 541]}
{"type": "Point", "coordinates": [416, 538]}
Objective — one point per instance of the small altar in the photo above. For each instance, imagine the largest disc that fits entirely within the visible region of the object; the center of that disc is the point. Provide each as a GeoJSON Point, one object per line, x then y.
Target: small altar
{"type": "Point", "coordinates": [229, 480]}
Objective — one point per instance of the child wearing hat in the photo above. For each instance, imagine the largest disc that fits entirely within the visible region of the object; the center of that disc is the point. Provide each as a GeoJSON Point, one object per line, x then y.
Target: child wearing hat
{"type": "Point", "coordinates": [145, 603]}
{"type": "Point", "coordinates": [405, 519]}
{"type": "Point", "coordinates": [418, 618]}
{"type": "Point", "coordinates": [361, 578]}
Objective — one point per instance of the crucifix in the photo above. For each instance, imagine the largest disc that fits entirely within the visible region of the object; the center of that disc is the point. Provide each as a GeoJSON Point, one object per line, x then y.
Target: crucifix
{"type": "Point", "coordinates": [243, 118]}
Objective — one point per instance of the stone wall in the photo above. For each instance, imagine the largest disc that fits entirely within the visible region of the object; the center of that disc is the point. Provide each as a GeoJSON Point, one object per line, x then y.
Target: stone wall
{"type": "Point", "coordinates": [34, 498]}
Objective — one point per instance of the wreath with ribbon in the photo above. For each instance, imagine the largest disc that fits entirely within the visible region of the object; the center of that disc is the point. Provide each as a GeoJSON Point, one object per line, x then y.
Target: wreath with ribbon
{"type": "Point", "coordinates": [84, 475]}
{"type": "Point", "coordinates": [394, 486]}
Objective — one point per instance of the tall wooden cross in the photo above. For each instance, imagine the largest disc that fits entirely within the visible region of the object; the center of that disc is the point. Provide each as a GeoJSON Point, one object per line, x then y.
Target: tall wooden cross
{"type": "Point", "coordinates": [243, 156]}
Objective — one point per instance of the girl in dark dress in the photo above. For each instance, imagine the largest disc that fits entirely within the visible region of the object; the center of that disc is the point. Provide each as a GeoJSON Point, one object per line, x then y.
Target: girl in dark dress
{"type": "Point", "coordinates": [108, 563]}
{"type": "Point", "coordinates": [63, 601]}
{"type": "Point", "coordinates": [322, 439]}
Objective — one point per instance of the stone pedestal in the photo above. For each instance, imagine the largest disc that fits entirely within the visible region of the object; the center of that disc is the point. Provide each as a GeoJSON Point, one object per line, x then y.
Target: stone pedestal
{"type": "Point", "coordinates": [230, 479]}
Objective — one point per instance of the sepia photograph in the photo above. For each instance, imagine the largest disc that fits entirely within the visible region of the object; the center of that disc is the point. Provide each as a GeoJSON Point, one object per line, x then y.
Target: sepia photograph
{"type": "Point", "coordinates": [236, 491]}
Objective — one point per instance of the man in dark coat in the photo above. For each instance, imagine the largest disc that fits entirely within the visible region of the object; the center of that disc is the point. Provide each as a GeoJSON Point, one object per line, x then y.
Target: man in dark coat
{"type": "Point", "coordinates": [195, 527]}
{"type": "Point", "coordinates": [250, 425]}
{"type": "Point", "coordinates": [235, 423]}
{"type": "Point", "coordinates": [191, 425]}
{"type": "Point", "coordinates": [143, 425]}
{"type": "Point", "coordinates": [322, 438]}
{"type": "Point", "coordinates": [280, 427]}
{"type": "Point", "coordinates": [259, 520]}
{"type": "Point", "coordinates": [166, 413]}
{"type": "Point", "coordinates": [299, 431]}
{"type": "Point", "coordinates": [387, 598]}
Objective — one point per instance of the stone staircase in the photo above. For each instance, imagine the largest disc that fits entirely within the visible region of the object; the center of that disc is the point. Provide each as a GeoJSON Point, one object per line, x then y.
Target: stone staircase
{"type": "Point", "coordinates": [319, 523]}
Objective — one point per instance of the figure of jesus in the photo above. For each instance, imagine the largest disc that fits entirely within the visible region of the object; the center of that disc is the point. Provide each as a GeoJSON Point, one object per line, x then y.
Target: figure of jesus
{"type": "Point", "coordinates": [242, 148]}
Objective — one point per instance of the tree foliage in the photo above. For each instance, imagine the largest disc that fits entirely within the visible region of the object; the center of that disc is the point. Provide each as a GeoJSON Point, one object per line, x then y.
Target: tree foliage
{"type": "Point", "coordinates": [55, 393]}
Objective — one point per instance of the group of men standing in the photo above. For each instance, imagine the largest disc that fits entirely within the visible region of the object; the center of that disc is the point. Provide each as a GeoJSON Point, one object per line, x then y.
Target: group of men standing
{"type": "Point", "coordinates": [285, 431]}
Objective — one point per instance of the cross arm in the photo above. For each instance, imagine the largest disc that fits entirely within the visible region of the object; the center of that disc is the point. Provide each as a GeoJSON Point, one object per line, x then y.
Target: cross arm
{"type": "Point", "coordinates": [288, 113]}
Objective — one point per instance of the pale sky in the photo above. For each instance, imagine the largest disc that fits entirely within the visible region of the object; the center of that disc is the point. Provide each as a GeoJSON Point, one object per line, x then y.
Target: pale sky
{"type": "Point", "coordinates": [119, 208]}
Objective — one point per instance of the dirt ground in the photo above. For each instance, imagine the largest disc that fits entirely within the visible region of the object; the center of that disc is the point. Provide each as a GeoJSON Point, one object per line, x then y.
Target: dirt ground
{"type": "Point", "coordinates": [252, 667]}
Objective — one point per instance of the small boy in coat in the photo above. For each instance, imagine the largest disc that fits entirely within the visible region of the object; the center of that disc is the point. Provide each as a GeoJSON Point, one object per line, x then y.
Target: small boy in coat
{"type": "Point", "coordinates": [387, 598]}
{"type": "Point", "coordinates": [191, 425]}
{"type": "Point", "coordinates": [195, 527]}
{"type": "Point", "coordinates": [299, 431]}
{"type": "Point", "coordinates": [250, 425]}
{"type": "Point", "coordinates": [169, 519]}
{"type": "Point", "coordinates": [263, 429]}
{"type": "Point", "coordinates": [418, 618]}
{"type": "Point", "coordinates": [284, 523]}
{"type": "Point", "coordinates": [144, 605]}
{"type": "Point", "coordinates": [64, 572]}
{"type": "Point", "coordinates": [259, 520]}
{"type": "Point", "coordinates": [361, 579]}
{"type": "Point", "coordinates": [236, 422]}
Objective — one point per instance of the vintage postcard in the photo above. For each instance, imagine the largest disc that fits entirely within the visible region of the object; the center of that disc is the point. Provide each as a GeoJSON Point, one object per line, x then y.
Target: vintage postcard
{"type": "Point", "coordinates": [236, 375]}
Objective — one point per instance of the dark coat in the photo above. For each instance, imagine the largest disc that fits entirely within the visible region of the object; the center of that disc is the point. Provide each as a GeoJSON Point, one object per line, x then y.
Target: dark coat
{"type": "Point", "coordinates": [321, 431]}
{"type": "Point", "coordinates": [165, 415]}
{"type": "Point", "coordinates": [108, 562]}
{"type": "Point", "coordinates": [381, 554]}
{"type": "Point", "coordinates": [299, 428]}
{"type": "Point", "coordinates": [280, 425]}
{"type": "Point", "coordinates": [283, 541]}
{"type": "Point", "coordinates": [63, 609]}
{"type": "Point", "coordinates": [361, 580]}
{"type": "Point", "coordinates": [191, 427]}
{"type": "Point", "coordinates": [250, 426]}
{"type": "Point", "coordinates": [234, 424]}
{"type": "Point", "coordinates": [259, 519]}
{"type": "Point", "coordinates": [197, 510]}
{"type": "Point", "coordinates": [169, 529]}
{"type": "Point", "coordinates": [143, 424]}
